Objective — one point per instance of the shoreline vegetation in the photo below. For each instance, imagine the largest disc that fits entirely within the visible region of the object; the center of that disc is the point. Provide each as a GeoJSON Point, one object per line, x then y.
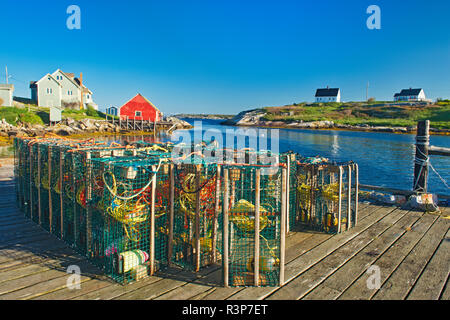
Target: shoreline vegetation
{"type": "Point", "coordinates": [29, 120]}
{"type": "Point", "coordinates": [357, 116]}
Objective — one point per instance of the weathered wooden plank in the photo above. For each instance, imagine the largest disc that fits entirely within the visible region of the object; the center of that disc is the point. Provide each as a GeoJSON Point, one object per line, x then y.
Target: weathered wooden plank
{"type": "Point", "coordinates": [305, 261]}
{"type": "Point", "coordinates": [36, 284]}
{"type": "Point", "coordinates": [23, 238]}
{"type": "Point", "coordinates": [194, 288]}
{"type": "Point", "coordinates": [57, 252]}
{"type": "Point", "coordinates": [202, 295]}
{"type": "Point", "coordinates": [404, 277]}
{"type": "Point", "coordinates": [334, 285]}
{"type": "Point", "coordinates": [432, 281]}
{"type": "Point", "coordinates": [170, 279]}
{"type": "Point", "coordinates": [13, 227]}
{"type": "Point", "coordinates": [152, 290]}
{"type": "Point", "coordinates": [66, 293]}
{"type": "Point", "coordinates": [116, 290]}
{"type": "Point", "coordinates": [23, 271]}
{"type": "Point", "coordinates": [41, 247]}
{"type": "Point", "coordinates": [40, 288]}
{"type": "Point", "coordinates": [390, 260]}
{"type": "Point", "coordinates": [16, 219]}
{"type": "Point", "coordinates": [312, 277]}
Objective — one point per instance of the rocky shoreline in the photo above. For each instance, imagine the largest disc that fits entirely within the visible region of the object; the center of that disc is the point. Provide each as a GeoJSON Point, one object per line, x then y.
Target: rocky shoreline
{"type": "Point", "coordinates": [68, 127]}
{"type": "Point", "coordinates": [253, 118]}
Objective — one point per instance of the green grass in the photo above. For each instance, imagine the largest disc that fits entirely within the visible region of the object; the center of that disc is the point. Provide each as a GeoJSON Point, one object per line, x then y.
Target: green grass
{"type": "Point", "coordinates": [13, 115]}
{"type": "Point", "coordinates": [90, 113]}
{"type": "Point", "coordinates": [354, 113]}
{"type": "Point", "coordinates": [37, 115]}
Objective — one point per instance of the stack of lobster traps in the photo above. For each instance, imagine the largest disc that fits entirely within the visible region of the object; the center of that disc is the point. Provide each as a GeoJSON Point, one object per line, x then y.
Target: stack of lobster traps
{"type": "Point", "coordinates": [135, 210]}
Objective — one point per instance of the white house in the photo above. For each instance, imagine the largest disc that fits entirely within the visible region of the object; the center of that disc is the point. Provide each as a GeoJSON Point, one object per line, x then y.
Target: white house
{"type": "Point", "coordinates": [46, 92]}
{"type": "Point", "coordinates": [410, 95]}
{"type": "Point", "coordinates": [6, 95]}
{"type": "Point", "coordinates": [328, 95]}
{"type": "Point", "coordinates": [60, 89]}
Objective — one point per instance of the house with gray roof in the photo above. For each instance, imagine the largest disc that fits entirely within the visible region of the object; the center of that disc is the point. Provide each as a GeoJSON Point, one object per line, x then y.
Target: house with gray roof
{"type": "Point", "coordinates": [61, 89]}
{"type": "Point", "coordinates": [328, 95]}
{"type": "Point", "coordinates": [6, 95]}
{"type": "Point", "coordinates": [410, 95]}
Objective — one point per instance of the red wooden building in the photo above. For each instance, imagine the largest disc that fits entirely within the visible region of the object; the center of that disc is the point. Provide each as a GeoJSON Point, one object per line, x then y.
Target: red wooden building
{"type": "Point", "coordinates": [140, 108]}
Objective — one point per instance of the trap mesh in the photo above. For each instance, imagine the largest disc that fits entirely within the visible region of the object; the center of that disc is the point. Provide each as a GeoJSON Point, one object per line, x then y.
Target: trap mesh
{"type": "Point", "coordinates": [243, 240]}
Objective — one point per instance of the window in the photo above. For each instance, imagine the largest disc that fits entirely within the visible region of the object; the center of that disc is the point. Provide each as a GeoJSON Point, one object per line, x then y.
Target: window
{"type": "Point", "coordinates": [138, 113]}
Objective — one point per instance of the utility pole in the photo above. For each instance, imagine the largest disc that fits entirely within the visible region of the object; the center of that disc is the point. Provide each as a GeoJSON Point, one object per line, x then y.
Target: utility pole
{"type": "Point", "coordinates": [6, 69]}
{"type": "Point", "coordinates": [367, 91]}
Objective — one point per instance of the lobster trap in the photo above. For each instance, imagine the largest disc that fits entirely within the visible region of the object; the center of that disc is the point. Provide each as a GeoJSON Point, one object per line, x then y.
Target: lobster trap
{"type": "Point", "coordinates": [327, 196]}
{"type": "Point", "coordinates": [194, 232]}
{"type": "Point", "coordinates": [128, 204]}
{"type": "Point", "coordinates": [254, 225]}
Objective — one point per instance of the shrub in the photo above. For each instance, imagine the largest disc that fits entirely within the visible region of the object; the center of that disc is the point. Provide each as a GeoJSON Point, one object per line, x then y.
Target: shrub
{"type": "Point", "coordinates": [91, 112]}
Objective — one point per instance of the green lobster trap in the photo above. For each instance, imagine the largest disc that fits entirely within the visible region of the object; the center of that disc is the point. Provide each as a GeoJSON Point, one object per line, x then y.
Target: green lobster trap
{"type": "Point", "coordinates": [194, 232]}
{"type": "Point", "coordinates": [128, 206]}
{"type": "Point", "coordinates": [254, 225]}
{"type": "Point", "coordinates": [327, 196]}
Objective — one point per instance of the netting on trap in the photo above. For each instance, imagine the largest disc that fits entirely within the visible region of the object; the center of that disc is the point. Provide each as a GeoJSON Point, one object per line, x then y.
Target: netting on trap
{"type": "Point", "coordinates": [196, 215]}
{"type": "Point", "coordinates": [22, 175]}
{"type": "Point", "coordinates": [129, 213]}
{"type": "Point", "coordinates": [327, 196]}
{"type": "Point", "coordinates": [253, 246]}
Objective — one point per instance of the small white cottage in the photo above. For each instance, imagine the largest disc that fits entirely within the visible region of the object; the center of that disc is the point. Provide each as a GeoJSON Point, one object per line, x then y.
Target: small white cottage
{"type": "Point", "coordinates": [328, 95]}
{"type": "Point", "coordinates": [410, 95]}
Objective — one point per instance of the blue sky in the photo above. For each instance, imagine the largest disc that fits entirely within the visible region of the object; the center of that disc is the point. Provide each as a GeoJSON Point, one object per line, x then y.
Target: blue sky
{"type": "Point", "coordinates": [226, 56]}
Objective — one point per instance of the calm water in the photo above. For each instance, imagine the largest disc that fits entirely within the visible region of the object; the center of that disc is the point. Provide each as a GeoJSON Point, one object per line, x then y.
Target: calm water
{"type": "Point", "coordinates": [384, 159]}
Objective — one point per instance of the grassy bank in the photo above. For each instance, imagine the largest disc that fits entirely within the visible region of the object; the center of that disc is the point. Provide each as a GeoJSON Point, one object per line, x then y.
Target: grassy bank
{"type": "Point", "coordinates": [38, 115]}
{"type": "Point", "coordinates": [357, 113]}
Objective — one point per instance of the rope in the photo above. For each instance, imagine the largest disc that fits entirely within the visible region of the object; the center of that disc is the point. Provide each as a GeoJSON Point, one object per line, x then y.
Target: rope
{"type": "Point", "coordinates": [423, 163]}
{"type": "Point", "coordinates": [114, 193]}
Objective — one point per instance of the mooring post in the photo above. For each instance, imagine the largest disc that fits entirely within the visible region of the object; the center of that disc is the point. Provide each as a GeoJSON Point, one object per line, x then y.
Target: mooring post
{"type": "Point", "coordinates": [421, 158]}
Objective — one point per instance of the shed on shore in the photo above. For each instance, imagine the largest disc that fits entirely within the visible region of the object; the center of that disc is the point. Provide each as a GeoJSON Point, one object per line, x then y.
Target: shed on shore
{"type": "Point", "coordinates": [140, 108]}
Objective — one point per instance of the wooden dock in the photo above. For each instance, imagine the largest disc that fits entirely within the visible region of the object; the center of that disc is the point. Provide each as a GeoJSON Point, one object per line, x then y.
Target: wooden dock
{"type": "Point", "coordinates": [139, 124]}
{"type": "Point", "coordinates": [411, 249]}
